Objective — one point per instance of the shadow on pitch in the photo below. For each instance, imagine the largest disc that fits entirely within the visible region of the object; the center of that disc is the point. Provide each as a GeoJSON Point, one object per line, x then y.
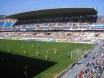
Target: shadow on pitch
{"type": "Point", "coordinates": [15, 66]}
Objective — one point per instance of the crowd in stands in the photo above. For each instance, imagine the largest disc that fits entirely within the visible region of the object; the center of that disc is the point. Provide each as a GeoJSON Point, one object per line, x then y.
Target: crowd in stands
{"type": "Point", "coordinates": [100, 20]}
{"type": "Point", "coordinates": [65, 36]}
{"type": "Point", "coordinates": [61, 23]}
{"type": "Point", "coordinates": [95, 66]}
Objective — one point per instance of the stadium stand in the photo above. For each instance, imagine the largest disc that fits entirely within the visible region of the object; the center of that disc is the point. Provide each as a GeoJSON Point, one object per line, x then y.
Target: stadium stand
{"type": "Point", "coordinates": [1, 24]}
{"type": "Point", "coordinates": [76, 37]}
{"type": "Point", "coordinates": [79, 25]}
{"type": "Point", "coordinates": [95, 66]}
{"type": "Point", "coordinates": [55, 19]}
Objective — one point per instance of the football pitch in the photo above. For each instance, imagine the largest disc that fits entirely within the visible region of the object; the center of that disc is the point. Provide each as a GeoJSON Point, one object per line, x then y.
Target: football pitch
{"type": "Point", "coordinates": [32, 59]}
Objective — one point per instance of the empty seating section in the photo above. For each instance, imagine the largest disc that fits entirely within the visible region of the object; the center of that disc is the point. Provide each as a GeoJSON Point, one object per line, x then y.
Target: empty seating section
{"type": "Point", "coordinates": [1, 25]}
{"type": "Point", "coordinates": [8, 24]}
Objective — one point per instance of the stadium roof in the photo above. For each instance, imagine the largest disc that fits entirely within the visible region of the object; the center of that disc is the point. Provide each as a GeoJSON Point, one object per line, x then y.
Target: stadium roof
{"type": "Point", "coordinates": [57, 12]}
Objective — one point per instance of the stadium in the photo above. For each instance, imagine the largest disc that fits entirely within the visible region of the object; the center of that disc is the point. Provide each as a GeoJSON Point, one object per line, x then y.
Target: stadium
{"type": "Point", "coordinates": [52, 43]}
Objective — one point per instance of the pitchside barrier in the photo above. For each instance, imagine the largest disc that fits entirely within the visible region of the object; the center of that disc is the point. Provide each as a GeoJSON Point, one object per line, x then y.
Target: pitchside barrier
{"type": "Point", "coordinates": [73, 64]}
{"type": "Point", "coordinates": [50, 40]}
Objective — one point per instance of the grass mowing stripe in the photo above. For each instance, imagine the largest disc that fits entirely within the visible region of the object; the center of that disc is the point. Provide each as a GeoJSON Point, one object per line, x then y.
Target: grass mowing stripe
{"type": "Point", "coordinates": [31, 52]}
{"type": "Point", "coordinates": [33, 55]}
{"type": "Point", "coordinates": [66, 53]}
{"type": "Point", "coordinates": [43, 51]}
{"type": "Point", "coordinates": [48, 49]}
{"type": "Point", "coordinates": [61, 55]}
{"type": "Point", "coordinates": [60, 65]}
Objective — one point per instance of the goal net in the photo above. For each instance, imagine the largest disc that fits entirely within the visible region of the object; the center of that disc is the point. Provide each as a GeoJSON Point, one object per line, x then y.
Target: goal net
{"type": "Point", "coordinates": [75, 54]}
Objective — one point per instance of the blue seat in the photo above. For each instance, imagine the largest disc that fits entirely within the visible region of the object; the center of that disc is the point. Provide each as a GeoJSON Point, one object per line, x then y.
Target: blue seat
{"type": "Point", "coordinates": [1, 23]}
{"type": "Point", "coordinates": [8, 24]}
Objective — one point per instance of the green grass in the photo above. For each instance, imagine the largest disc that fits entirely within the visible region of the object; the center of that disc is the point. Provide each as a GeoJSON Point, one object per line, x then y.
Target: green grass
{"type": "Point", "coordinates": [37, 67]}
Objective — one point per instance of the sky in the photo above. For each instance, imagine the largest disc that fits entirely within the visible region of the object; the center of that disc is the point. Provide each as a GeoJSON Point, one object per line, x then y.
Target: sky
{"type": "Point", "coordinates": [9, 7]}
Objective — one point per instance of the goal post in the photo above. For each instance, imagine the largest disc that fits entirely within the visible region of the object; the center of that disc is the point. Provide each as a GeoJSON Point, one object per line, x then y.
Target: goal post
{"type": "Point", "coordinates": [75, 54]}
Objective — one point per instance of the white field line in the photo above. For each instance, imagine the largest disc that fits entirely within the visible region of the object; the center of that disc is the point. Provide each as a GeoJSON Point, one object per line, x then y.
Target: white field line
{"type": "Point", "coordinates": [56, 68]}
{"type": "Point", "coordinates": [52, 59]}
{"type": "Point", "coordinates": [42, 52]}
{"type": "Point", "coordinates": [33, 55]}
{"type": "Point", "coordinates": [71, 64]}
{"type": "Point", "coordinates": [51, 49]}
{"type": "Point", "coordinates": [61, 55]}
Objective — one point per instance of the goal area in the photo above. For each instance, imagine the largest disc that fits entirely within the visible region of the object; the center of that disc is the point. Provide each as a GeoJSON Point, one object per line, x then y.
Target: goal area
{"type": "Point", "coordinates": [77, 53]}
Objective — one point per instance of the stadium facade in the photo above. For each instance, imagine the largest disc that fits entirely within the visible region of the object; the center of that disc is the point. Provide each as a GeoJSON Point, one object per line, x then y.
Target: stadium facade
{"type": "Point", "coordinates": [55, 19]}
